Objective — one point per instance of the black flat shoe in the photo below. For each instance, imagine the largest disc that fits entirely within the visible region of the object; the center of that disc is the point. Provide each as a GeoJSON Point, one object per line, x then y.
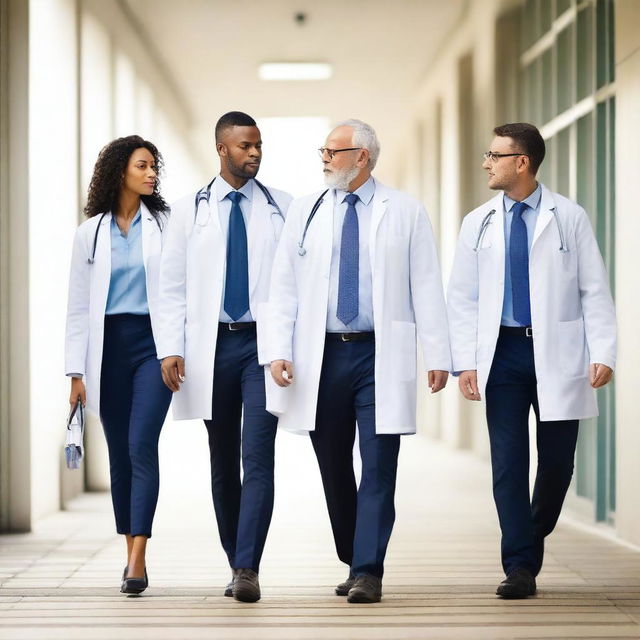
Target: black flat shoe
{"type": "Point", "coordinates": [124, 577]}
{"type": "Point", "coordinates": [519, 584]}
{"type": "Point", "coordinates": [343, 588]}
{"type": "Point", "coordinates": [367, 589]}
{"type": "Point", "coordinates": [135, 586]}
{"type": "Point", "coordinates": [246, 586]}
{"type": "Point", "coordinates": [228, 591]}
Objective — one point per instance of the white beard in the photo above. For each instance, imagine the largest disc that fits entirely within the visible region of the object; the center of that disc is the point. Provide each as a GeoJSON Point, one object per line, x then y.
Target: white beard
{"type": "Point", "coordinates": [341, 179]}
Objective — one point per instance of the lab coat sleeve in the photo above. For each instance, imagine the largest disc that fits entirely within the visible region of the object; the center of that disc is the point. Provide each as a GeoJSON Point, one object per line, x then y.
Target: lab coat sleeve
{"type": "Point", "coordinates": [283, 295]}
{"type": "Point", "coordinates": [77, 330]}
{"type": "Point", "coordinates": [462, 300]}
{"type": "Point", "coordinates": [428, 296]}
{"type": "Point", "coordinates": [172, 303]}
{"type": "Point", "coordinates": [597, 304]}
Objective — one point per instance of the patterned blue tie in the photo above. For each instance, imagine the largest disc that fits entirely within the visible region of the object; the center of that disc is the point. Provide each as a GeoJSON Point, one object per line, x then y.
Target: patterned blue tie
{"type": "Point", "coordinates": [519, 263]}
{"type": "Point", "coordinates": [349, 263]}
{"type": "Point", "coordinates": [236, 294]}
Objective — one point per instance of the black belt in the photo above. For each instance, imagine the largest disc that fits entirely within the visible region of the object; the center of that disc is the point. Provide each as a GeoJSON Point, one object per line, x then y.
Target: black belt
{"type": "Point", "coordinates": [516, 331]}
{"type": "Point", "coordinates": [356, 336]}
{"type": "Point", "coordinates": [236, 326]}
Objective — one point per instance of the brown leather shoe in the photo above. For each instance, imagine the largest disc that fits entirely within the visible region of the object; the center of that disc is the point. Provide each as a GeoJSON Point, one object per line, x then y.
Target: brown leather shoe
{"type": "Point", "coordinates": [246, 587]}
{"type": "Point", "coordinates": [366, 589]}
{"type": "Point", "coordinates": [343, 588]}
{"type": "Point", "coordinates": [228, 591]}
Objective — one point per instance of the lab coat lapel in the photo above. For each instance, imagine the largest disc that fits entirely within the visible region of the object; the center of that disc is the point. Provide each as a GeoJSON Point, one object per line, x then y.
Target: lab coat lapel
{"type": "Point", "coordinates": [547, 206]}
{"type": "Point", "coordinates": [380, 200]}
{"type": "Point", "coordinates": [149, 229]}
{"type": "Point", "coordinates": [257, 235]}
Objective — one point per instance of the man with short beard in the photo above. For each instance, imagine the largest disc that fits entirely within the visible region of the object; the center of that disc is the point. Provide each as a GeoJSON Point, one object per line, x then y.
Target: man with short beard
{"type": "Point", "coordinates": [214, 279]}
{"type": "Point", "coordinates": [355, 280]}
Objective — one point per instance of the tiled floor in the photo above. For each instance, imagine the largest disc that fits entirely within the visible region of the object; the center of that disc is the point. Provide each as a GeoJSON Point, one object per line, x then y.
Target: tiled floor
{"type": "Point", "coordinates": [61, 581]}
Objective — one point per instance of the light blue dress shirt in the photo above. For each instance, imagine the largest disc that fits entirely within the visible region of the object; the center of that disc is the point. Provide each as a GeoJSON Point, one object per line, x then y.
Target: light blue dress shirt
{"type": "Point", "coordinates": [128, 284]}
{"type": "Point", "coordinates": [364, 207]}
{"type": "Point", "coordinates": [223, 189]}
{"type": "Point", "coordinates": [530, 217]}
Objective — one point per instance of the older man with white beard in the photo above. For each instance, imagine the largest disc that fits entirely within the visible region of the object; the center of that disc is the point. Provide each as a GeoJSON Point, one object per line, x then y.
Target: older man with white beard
{"type": "Point", "coordinates": [355, 280]}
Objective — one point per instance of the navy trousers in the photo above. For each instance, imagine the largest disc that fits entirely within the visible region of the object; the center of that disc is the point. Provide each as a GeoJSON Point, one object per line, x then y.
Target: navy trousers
{"type": "Point", "coordinates": [133, 405]}
{"type": "Point", "coordinates": [243, 509]}
{"type": "Point", "coordinates": [361, 517]}
{"type": "Point", "coordinates": [525, 520]}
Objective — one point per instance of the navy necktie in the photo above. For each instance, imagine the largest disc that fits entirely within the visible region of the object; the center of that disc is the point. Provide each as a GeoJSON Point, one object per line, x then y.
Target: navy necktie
{"type": "Point", "coordinates": [236, 294]}
{"type": "Point", "coordinates": [519, 264]}
{"type": "Point", "coordinates": [349, 263]}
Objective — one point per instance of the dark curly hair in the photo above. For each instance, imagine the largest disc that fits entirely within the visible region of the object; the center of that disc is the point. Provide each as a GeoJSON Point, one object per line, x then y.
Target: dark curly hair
{"type": "Point", "coordinates": [104, 188]}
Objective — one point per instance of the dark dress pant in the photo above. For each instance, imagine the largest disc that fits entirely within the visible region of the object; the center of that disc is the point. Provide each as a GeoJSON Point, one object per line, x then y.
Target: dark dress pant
{"type": "Point", "coordinates": [133, 405]}
{"type": "Point", "coordinates": [243, 507]}
{"type": "Point", "coordinates": [525, 520]}
{"type": "Point", "coordinates": [361, 517]}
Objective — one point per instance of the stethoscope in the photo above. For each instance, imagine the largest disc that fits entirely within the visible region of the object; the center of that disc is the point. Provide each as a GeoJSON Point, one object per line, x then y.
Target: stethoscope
{"type": "Point", "coordinates": [205, 195]}
{"type": "Point", "coordinates": [486, 221]}
{"type": "Point", "coordinates": [301, 250]}
{"type": "Point", "coordinates": [92, 259]}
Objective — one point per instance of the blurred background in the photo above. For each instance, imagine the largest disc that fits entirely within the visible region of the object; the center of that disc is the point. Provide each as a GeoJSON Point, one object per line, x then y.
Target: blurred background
{"type": "Point", "coordinates": [432, 77]}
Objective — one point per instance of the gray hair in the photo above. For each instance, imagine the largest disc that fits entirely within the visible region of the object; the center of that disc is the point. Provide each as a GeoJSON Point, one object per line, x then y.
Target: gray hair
{"type": "Point", "coordinates": [364, 136]}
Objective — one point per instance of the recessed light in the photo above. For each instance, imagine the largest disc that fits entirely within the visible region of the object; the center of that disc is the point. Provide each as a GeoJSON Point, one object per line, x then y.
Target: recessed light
{"type": "Point", "coordinates": [295, 71]}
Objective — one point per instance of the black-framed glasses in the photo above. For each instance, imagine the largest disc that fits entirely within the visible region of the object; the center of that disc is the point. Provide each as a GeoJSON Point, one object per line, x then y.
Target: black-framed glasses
{"type": "Point", "coordinates": [491, 156]}
{"type": "Point", "coordinates": [332, 152]}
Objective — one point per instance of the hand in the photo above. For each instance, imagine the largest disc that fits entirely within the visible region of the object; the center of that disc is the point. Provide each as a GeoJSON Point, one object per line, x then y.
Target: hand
{"type": "Point", "coordinates": [173, 372]}
{"type": "Point", "coordinates": [468, 383]}
{"type": "Point", "coordinates": [282, 372]}
{"type": "Point", "coordinates": [77, 391]}
{"type": "Point", "coordinates": [599, 375]}
{"type": "Point", "coordinates": [437, 380]}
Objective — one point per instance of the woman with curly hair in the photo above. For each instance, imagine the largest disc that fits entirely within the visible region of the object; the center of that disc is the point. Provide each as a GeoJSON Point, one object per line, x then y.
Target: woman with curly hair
{"type": "Point", "coordinates": [110, 347]}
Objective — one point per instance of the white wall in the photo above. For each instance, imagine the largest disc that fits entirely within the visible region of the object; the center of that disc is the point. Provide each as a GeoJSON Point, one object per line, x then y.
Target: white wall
{"type": "Point", "coordinates": [53, 205]}
{"type": "Point", "coordinates": [627, 287]}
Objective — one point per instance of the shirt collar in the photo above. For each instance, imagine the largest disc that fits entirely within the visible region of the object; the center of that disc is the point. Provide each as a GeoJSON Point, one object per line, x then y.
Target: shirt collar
{"type": "Point", "coordinates": [223, 189]}
{"type": "Point", "coordinates": [364, 192]}
{"type": "Point", "coordinates": [532, 201]}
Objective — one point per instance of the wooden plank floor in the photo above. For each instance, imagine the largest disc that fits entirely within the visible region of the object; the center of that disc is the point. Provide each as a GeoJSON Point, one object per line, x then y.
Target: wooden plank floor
{"type": "Point", "coordinates": [61, 580]}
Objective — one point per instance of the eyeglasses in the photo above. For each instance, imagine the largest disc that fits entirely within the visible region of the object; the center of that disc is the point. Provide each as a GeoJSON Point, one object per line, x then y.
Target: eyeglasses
{"type": "Point", "coordinates": [494, 157]}
{"type": "Point", "coordinates": [332, 152]}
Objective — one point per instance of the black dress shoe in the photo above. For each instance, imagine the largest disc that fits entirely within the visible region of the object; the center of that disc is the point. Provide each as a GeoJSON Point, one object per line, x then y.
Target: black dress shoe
{"type": "Point", "coordinates": [134, 586]}
{"type": "Point", "coordinates": [366, 589]}
{"type": "Point", "coordinates": [246, 587]}
{"type": "Point", "coordinates": [343, 588]}
{"type": "Point", "coordinates": [228, 592]}
{"type": "Point", "coordinates": [518, 584]}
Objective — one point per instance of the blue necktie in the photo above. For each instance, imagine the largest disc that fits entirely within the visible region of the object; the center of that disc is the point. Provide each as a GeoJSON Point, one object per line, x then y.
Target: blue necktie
{"type": "Point", "coordinates": [349, 263]}
{"type": "Point", "coordinates": [236, 294]}
{"type": "Point", "coordinates": [519, 263]}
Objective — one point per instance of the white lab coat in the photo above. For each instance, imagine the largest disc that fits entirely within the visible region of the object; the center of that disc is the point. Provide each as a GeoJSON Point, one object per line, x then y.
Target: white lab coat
{"type": "Point", "coordinates": [88, 291]}
{"type": "Point", "coordinates": [408, 298]}
{"type": "Point", "coordinates": [191, 288]}
{"type": "Point", "coordinates": [572, 313]}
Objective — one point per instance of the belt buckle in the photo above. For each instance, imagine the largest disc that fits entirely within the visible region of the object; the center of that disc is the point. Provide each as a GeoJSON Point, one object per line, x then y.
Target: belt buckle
{"type": "Point", "coordinates": [528, 332]}
{"type": "Point", "coordinates": [233, 327]}
{"type": "Point", "coordinates": [345, 337]}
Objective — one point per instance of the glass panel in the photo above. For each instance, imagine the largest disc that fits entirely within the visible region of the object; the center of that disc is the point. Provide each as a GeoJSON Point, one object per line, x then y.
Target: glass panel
{"type": "Point", "coordinates": [562, 6]}
{"type": "Point", "coordinates": [545, 9]}
{"type": "Point", "coordinates": [562, 162]}
{"type": "Point", "coordinates": [529, 29]}
{"type": "Point", "coordinates": [611, 55]}
{"type": "Point", "coordinates": [545, 172]}
{"type": "Point", "coordinates": [585, 165]}
{"type": "Point", "coordinates": [604, 45]}
{"type": "Point", "coordinates": [585, 52]}
{"type": "Point", "coordinates": [586, 459]}
{"type": "Point", "coordinates": [564, 67]}
{"type": "Point", "coordinates": [547, 86]}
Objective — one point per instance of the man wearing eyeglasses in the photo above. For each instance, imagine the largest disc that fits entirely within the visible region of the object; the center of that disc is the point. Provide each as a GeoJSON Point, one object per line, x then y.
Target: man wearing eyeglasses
{"type": "Point", "coordinates": [355, 280]}
{"type": "Point", "coordinates": [532, 325]}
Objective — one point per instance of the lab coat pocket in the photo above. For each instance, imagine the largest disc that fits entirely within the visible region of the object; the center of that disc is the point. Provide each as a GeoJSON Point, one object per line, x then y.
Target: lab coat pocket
{"type": "Point", "coordinates": [404, 350]}
{"type": "Point", "coordinates": [572, 348]}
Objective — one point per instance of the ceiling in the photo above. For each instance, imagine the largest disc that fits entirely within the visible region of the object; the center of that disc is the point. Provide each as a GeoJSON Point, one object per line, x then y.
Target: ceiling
{"type": "Point", "coordinates": [380, 51]}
